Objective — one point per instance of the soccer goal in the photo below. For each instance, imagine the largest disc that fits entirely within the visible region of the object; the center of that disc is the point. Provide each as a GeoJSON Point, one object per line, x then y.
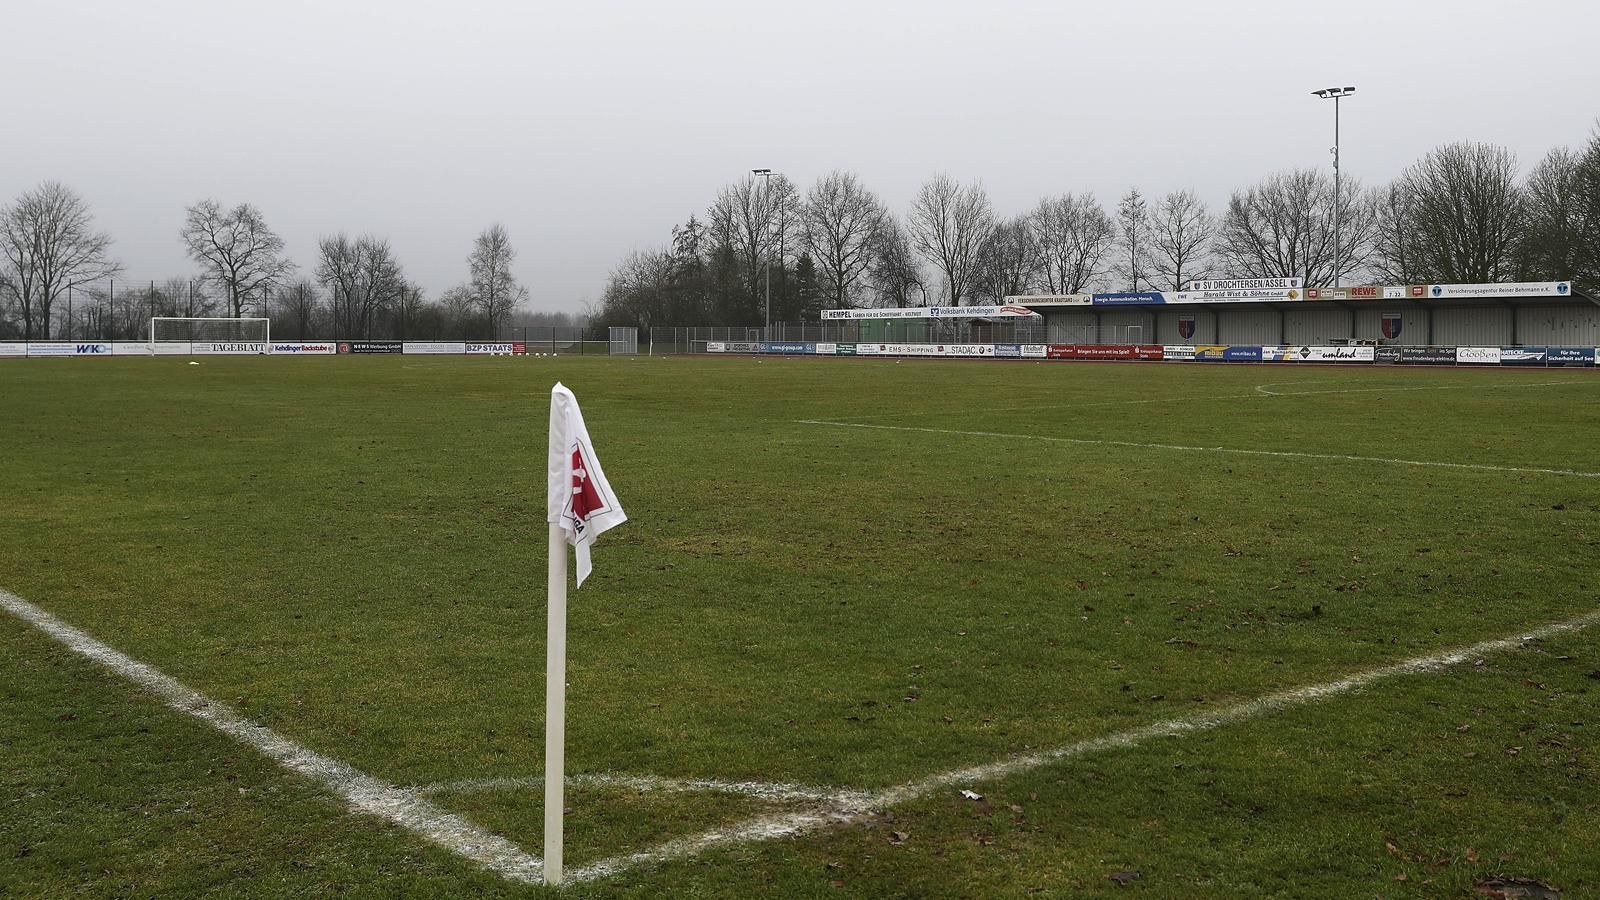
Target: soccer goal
{"type": "Point", "coordinates": [178, 329]}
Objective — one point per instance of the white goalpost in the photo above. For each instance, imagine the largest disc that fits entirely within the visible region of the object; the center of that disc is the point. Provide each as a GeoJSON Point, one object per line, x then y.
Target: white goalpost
{"type": "Point", "coordinates": [185, 329]}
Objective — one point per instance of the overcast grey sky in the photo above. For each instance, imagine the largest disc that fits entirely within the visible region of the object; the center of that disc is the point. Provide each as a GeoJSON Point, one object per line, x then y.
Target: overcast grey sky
{"type": "Point", "coordinates": [590, 128]}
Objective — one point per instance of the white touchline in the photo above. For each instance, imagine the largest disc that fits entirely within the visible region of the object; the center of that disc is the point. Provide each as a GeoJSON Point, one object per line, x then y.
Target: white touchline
{"type": "Point", "coordinates": [362, 791]}
{"type": "Point", "coordinates": [793, 824]}
{"type": "Point", "coordinates": [1284, 454]}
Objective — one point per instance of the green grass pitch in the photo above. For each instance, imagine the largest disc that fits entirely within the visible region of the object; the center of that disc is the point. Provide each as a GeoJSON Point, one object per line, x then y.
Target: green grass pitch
{"type": "Point", "coordinates": [1018, 557]}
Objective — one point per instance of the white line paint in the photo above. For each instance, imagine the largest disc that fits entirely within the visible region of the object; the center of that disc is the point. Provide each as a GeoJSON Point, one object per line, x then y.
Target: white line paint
{"type": "Point", "coordinates": [776, 792]}
{"type": "Point", "coordinates": [362, 791]}
{"type": "Point", "coordinates": [1236, 451]}
{"type": "Point", "coordinates": [794, 824]}
{"type": "Point", "coordinates": [1258, 393]}
{"type": "Point", "coordinates": [1262, 388]}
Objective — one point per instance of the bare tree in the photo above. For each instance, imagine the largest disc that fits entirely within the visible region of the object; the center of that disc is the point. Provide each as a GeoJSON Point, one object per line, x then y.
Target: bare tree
{"type": "Point", "coordinates": [757, 218]}
{"type": "Point", "coordinates": [1008, 262]}
{"type": "Point", "coordinates": [362, 278]}
{"type": "Point", "coordinates": [1133, 240]}
{"type": "Point", "coordinates": [237, 249]}
{"type": "Point", "coordinates": [1561, 234]}
{"type": "Point", "coordinates": [1283, 228]}
{"type": "Point", "coordinates": [47, 243]}
{"type": "Point", "coordinates": [841, 219]}
{"type": "Point", "coordinates": [1074, 235]}
{"type": "Point", "coordinates": [1180, 236]}
{"type": "Point", "coordinates": [1466, 212]}
{"type": "Point", "coordinates": [948, 224]}
{"type": "Point", "coordinates": [895, 276]}
{"type": "Point", "coordinates": [1395, 257]}
{"type": "Point", "coordinates": [298, 306]}
{"type": "Point", "coordinates": [494, 287]}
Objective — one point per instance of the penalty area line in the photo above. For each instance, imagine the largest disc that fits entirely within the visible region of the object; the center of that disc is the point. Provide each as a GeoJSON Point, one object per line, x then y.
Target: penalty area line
{"type": "Point", "coordinates": [1236, 451]}
{"type": "Point", "coordinates": [361, 791]}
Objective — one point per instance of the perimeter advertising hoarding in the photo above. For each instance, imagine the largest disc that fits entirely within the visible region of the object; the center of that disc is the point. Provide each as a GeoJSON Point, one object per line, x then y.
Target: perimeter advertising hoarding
{"type": "Point", "coordinates": [227, 348]}
{"type": "Point", "coordinates": [451, 347]}
{"type": "Point", "coordinates": [306, 348]}
{"type": "Point", "coordinates": [1387, 355]}
{"type": "Point", "coordinates": [1354, 293]}
{"type": "Point", "coordinates": [1177, 352]}
{"type": "Point", "coordinates": [1482, 356]}
{"type": "Point", "coordinates": [1523, 356]}
{"type": "Point", "coordinates": [1428, 356]}
{"type": "Point", "coordinates": [1008, 351]}
{"type": "Point", "coordinates": [1104, 351]}
{"type": "Point", "coordinates": [1318, 354]}
{"type": "Point", "coordinates": [1034, 351]}
{"type": "Point", "coordinates": [932, 312]}
{"type": "Point", "coordinates": [371, 347]}
{"type": "Point", "coordinates": [1245, 284]}
{"type": "Point", "coordinates": [1129, 298]}
{"type": "Point", "coordinates": [498, 348]}
{"type": "Point", "coordinates": [826, 349]}
{"type": "Point", "coordinates": [1225, 353]}
{"type": "Point", "coordinates": [1050, 299]}
{"type": "Point", "coordinates": [1571, 356]}
{"type": "Point", "coordinates": [1513, 289]}
{"type": "Point", "coordinates": [963, 350]}
{"type": "Point", "coordinates": [15, 349]}
{"type": "Point", "coordinates": [1241, 295]}
{"type": "Point", "coordinates": [790, 347]}
{"type": "Point", "coordinates": [68, 348]}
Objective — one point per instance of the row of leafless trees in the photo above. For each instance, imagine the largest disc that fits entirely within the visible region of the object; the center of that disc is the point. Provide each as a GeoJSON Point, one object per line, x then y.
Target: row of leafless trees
{"type": "Point", "coordinates": [51, 254]}
{"type": "Point", "coordinates": [1462, 213]}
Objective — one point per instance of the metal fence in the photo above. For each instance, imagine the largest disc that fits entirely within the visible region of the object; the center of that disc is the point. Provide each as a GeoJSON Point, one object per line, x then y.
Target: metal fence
{"type": "Point", "coordinates": [693, 338]}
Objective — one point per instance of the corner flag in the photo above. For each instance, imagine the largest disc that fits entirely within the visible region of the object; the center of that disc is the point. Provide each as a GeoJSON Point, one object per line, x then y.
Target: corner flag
{"type": "Point", "coordinates": [579, 505]}
{"type": "Point", "coordinates": [580, 499]}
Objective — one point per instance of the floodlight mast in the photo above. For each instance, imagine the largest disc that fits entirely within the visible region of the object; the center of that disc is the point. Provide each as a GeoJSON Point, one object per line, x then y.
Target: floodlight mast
{"type": "Point", "coordinates": [1336, 94]}
{"type": "Point", "coordinates": [766, 184]}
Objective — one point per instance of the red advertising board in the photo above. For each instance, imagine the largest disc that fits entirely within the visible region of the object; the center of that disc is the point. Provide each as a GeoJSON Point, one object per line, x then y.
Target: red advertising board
{"type": "Point", "coordinates": [1104, 351]}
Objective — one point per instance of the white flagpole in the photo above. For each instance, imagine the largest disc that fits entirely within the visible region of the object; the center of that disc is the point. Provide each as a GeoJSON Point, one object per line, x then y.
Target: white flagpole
{"type": "Point", "coordinates": [555, 705]}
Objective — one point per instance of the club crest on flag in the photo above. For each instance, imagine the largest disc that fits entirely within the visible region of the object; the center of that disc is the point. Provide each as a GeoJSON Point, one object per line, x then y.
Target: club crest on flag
{"type": "Point", "coordinates": [580, 499]}
{"type": "Point", "coordinates": [1186, 327]}
{"type": "Point", "coordinates": [1392, 323]}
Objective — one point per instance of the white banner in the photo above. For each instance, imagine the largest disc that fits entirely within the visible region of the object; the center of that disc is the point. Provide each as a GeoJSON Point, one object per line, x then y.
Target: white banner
{"type": "Point", "coordinates": [455, 347]}
{"type": "Point", "coordinates": [227, 348]}
{"type": "Point", "coordinates": [1237, 295]}
{"type": "Point", "coordinates": [716, 347]}
{"type": "Point", "coordinates": [498, 349]}
{"type": "Point", "coordinates": [1485, 355]}
{"type": "Point", "coordinates": [967, 350]}
{"type": "Point", "coordinates": [1517, 289]}
{"type": "Point", "coordinates": [1050, 299]}
{"type": "Point", "coordinates": [13, 348]}
{"type": "Point", "coordinates": [312, 348]}
{"type": "Point", "coordinates": [1319, 354]}
{"type": "Point", "coordinates": [1177, 352]}
{"type": "Point", "coordinates": [127, 349]}
{"type": "Point", "coordinates": [931, 312]}
{"type": "Point", "coordinates": [1035, 351]}
{"type": "Point", "coordinates": [1245, 284]}
{"type": "Point", "coordinates": [170, 348]}
{"type": "Point", "coordinates": [69, 348]}
{"type": "Point", "coordinates": [827, 349]}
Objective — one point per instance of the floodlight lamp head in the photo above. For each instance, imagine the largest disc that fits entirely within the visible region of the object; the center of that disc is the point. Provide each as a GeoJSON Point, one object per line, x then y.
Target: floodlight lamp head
{"type": "Point", "coordinates": [1349, 90]}
{"type": "Point", "coordinates": [1322, 93]}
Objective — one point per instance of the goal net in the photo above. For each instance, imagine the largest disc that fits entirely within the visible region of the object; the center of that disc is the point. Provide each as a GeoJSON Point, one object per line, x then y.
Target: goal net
{"type": "Point", "coordinates": [191, 330]}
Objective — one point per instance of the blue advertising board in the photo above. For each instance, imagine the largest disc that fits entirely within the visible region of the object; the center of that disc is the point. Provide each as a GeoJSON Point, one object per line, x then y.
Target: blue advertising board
{"type": "Point", "coordinates": [1008, 351]}
{"type": "Point", "coordinates": [1128, 298]}
{"type": "Point", "coordinates": [1523, 356]}
{"type": "Point", "coordinates": [788, 347]}
{"type": "Point", "coordinates": [1570, 356]}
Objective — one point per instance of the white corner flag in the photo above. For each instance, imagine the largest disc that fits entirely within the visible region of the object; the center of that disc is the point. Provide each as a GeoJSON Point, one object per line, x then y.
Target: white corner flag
{"type": "Point", "coordinates": [580, 499]}
{"type": "Point", "coordinates": [579, 505]}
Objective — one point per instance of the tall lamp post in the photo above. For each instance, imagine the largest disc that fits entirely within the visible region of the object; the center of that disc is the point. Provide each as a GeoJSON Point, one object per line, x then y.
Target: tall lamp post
{"type": "Point", "coordinates": [766, 184]}
{"type": "Point", "coordinates": [1336, 94]}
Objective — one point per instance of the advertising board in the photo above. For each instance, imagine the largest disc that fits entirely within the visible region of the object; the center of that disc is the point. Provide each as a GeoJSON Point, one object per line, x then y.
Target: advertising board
{"type": "Point", "coordinates": [1104, 351]}
{"type": "Point", "coordinates": [1317, 354]}
{"type": "Point", "coordinates": [14, 349]}
{"type": "Point", "coordinates": [1523, 356]}
{"type": "Point", "coordinates": [1050, 300]}
{"type": "Point", "coordinates": [1033, 351]}
{"type": "Point", "coordinates": [1181, 351]}
{"type": "Point", "coordinates": [716, 347]}
{"type": "Point", "coordinates": [306, 348]}
{"type": "Point", "coordinates": [1428, 356]}
{"type": "Point", "coordinates": [68, 348]}
{"type": "Point", "coordinates": [1008, 351]}
{"type": "Point", "coordinates": [371, 347]}
{"type": "Point", "coordinates": [435, 347]}
{"type": "Point", "coordinates": [227, 348]}
{"type": "Point", "coordinates": [497, 348]}
{"type": "Point", "coordinates": [1226, 353]}
{"type": "Point", "coordinates": [1571, 356]}
{"type": "Point", "coordinates": [1239, 295]}
{"type": "Point", "coordinates": [1245, 284]}
{"type": "Point", "coordinates": [1516, 289]}
{"type": "Point", "coordinates": [128, 348]}
{"type": "Point", "coordinates": [1129, 298]}
{"type": "Point", "coordinates": [1481, 356]}
{"type": "Point", "coordinates": [827, 349]}
{"type": "Point", "coordinates": [1386, 355]}
{"type": "Point", "coordinates": [787, 347]}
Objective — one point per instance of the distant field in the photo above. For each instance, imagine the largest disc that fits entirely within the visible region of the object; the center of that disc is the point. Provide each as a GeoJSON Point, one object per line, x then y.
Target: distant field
{"type": "Point", "coordinates": [1008, 560]}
